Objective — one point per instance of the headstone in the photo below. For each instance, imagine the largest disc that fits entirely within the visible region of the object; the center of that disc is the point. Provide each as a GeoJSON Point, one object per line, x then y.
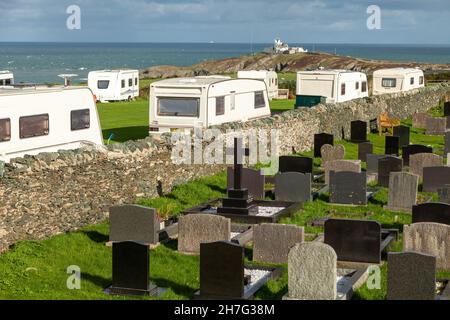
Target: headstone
{"type": "Point", "coordinates": [387, 165]}
{"type": "Point", "coordinates": [444, 194]}
{"type": "Point", "coordinates": [330, 153]}
{"type": "Point", "coordinates": [194, 229]}
{"type": "Point", "coordinates": [437, 212]}
{"type": "Point", "coordinates": [358, 131]}
{"type": "Point", "coordinates": [403, 188]}
{"type": "Point", "coordinates": [253, 180]}
{"type": "Point", "coordinates": [414, 149]}
{"type": "Point", "coordinates": [448, 122]}
{"type": "Point", "coordinates": [447, 109]}
{"type": "Point", "coordinates": [133, 223]}
{"type": "Point", "coordinates": [348, 188]}
{"type": "Point", "coordinates": [354, 240]}
{"type": "Point", "coordinates": [2, 169]}
{"type": "Point", "coordinates": [436, 126]}
{"type": "Point", "coordinates": [221, 270]}
{"type": "Point", "coordinates": [392, 145]}
{"type": "Point", "coordinates": [130, 268]}
{"type": "Point", "coordinates": [411, 276]}
{"type": "Point", "coordinates": [293, 187]}
{"type": "Point", "coordinates": [372, 162]}
{"type": "Point", "coordinates": [272, 242]}
{"type": "Point", "coordinates": [420, 120]}
{"type": "Point", "coordinates": [296, 164]}
{"type": "Point", "coordinates": [447, 142]}
{"type": "Point", "coordinates": [320, 140]}
{"type": "Point", "coordinates": [419, 161]}
{"type": "Point", "coordinates": [339, 166]}
{"type": "Point", "coordinates": [364, 148]}
{"type": "Point", "coordinates": [373, 125]}
{"type": "Point", "coordinates": [403, 133]}
{"type": "Point", "coordinates": [435, 178]}
{"type": "Point", "coordinates": [312, 272]}
{"type": "Point", "coordinates": [429, 238]}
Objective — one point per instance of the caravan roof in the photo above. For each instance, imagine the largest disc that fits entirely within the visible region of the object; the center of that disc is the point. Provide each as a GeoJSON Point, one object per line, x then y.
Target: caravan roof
{"type": "Point", "coordinates": [30, 90]}
{"type": "Point", "coordinates": [113, 71]}
{"type": "Point", "coordinates": [395, 71]}
{"type": "Point", "coordinates": [327, 71]}
{"type": "Point", "coordinates": [192, 82]}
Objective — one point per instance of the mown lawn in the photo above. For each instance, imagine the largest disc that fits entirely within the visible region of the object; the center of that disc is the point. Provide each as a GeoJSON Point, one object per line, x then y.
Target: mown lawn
{"type": "Point", "coordinates": [38, 269]}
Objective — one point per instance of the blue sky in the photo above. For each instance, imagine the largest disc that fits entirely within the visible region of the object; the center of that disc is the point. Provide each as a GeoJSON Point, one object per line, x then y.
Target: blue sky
{"type": "Point", "coordinates": [301, 21]}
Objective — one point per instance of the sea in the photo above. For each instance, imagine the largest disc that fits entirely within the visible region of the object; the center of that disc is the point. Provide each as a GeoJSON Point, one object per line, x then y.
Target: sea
{"type": "Point", "coordinates": [43, 62]}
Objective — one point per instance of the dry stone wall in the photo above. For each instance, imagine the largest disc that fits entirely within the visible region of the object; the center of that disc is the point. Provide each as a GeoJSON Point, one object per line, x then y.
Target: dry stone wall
{"type": "Point", "coordinates": [52, 193]}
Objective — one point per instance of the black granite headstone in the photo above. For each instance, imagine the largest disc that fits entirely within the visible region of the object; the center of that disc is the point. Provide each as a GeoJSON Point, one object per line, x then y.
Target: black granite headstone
{"type": "Point", "coordinates": [385, 167]}
{"type": "Point", "coordinates": [372, 162]}
{"type": "Point", "coordinates": [447, 109]}
{"type": "Point", "coordinates": [431, 212]}
{"type": "Point", "coordinates": [364, 148]}
{"type": "Point", "coordinates": [320, 140]}
{"type": "Point", "coordinates": [296, 164]}
{"type": "Point", "coordinates": [414, 149]}
{"type": "Point", "coordinates": [435, 178]}
{"type": "Point", "coordinates": [130, 268]}
{"type": "Point", "coordinates": [348, 188]}
{"type": "Point", "coordinates": [221, 270]}
{"type": "Point", "coordinates": [354, 240]}
{"type": "Point", "coordinates": [403, 133]}
{"type": "Point", "coordinates": [392, 145]}
{"type": "Point", "coordinates": [358, 131]}
{"type": "Point", "coordinates": [253, 180]}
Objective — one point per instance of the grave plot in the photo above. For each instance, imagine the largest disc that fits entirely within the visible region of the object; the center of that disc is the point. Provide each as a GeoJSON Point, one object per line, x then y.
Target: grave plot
{"type": "Point", "coordinates": [313, 274]}
{"type": "Point", "coordinates": [320, 140]}
{"type": "Point", "coordinates": [223, 275]}
{"type": "Point", "coordinates": [403, 188]}
{"type": "Point", "coordinates": [358, 241]}
{"type": "Point", "coordinates": [339, 166]}
{"type": "Point", "coordinates": [131, 271]}
{"type": "Point", "coordinates": [412, 276]}
{"type": "Point", "coordinates": [431, 212]}
{"type": "Point", "coordinates": [435, 178]}
{"type": "Point", "coordinates": [349, 188]}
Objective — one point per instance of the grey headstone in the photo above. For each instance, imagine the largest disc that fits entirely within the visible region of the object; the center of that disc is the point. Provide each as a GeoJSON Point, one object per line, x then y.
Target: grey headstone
{"type": "Point", "coordinates": [312, 272]}
{"type": "Point", "coordinates": [444, 194]}
{"type": "Point", "coordinates": [372, 162]}
{"type": "Point", "coordinates": [420, 120]}
{"type": "Point", "coordinates": [272, 242]}
{"type": "Point", "coordinates": [435, 178]}
{"type": "Point", "coordinates": [293, 187]}
{"type": "Point", "coordinates": [348, 188]}
{"type": "Point", "coordinates": [387, 165]}
{"type": "Point", "coordinates": [133, 223]}
{"type": "Point", "coordinates": [2, 169]}
{"type": "Point", "coordinates": [403, 188]}
{"type": "Point", "coordinates": [330, 153]}
{"type": "Point", "coordinates": [339, 166]}
{"type": "Point", "coordinates": [429, 238]}
{"type": "Point", "coordinates": [447, 142]}
{"type": "Point", "coordinates": [403, 133]}
{"type": "Point", "coordinates": [253, 180]}
{"type": "Point", "coordinates": [194, 229]}
{"type": "Point", "coordinates": [436, 126]}
{"type": "Point", "coordinates": [414, 149]}
{"type": "Point", "coordinates": [411, 276]}
{"type": "Point", "coordinates": [364, 148]}
{"type": "Point", "coordinates": [419, 161]}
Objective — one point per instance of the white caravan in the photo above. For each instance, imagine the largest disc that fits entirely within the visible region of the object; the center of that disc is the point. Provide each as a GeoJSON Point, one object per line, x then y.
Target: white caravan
{"type": "Point", "coordinates": [114, 85]}
{"type": "Point", "coordinates": [330, 86]}
{"type": "Point", "coordinates": [46, 120]}
{"type": "Point", "coordinates": [6, 78]}
{"type": "Point", "coordinates": [397, 80]}
{"type": "Point", "coordinates": [187, 103]}
{"type": "Point", "coordinates": [269, 77]}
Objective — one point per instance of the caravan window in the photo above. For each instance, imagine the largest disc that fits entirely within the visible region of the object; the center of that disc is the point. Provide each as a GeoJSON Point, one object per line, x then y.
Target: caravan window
{"type": "Point", "coordinates": [412, 81]}
{"type": "Point", "coordinates": [135, 81]}
{"type": "Point", "coordinates": [220, 106]}
{"type": "Point", "coordinates": [178, 107]}
{"type": "Point", "coordinates": [130, 82]}
{"type": "Point", "coordinates": [5, 130]}
{"type": "Point", "coordinates": [364, 86]}
{"type": "Point", "coordinates": [389, 82]}
{"type": "Point", "coordinates": [357, 85]}
{"type": "Point", "coordinates": [343, 89]}
{"type": "Point", "coordinates": [103, 84]}
{"type": "Point", "coordinates": [421, 80]}
{"type": "Point", "coordinates": [123, 84]}
{"type": "Point", "coordinates": [80, 119]}
{"type": "Point", "coordinates": [259, 100]}
{"type": "Point", "coordinates": [34, 126]}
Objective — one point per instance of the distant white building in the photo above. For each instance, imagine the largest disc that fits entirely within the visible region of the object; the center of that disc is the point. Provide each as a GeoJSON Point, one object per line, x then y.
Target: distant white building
{"type": "Point", "coordinates": [202, 102]}
{"type": "Point", "coordinates": [269, 77]}
{"type": "Point", "coordinates": [397, 80]}
{"type": "Point", "coordinates": [114, 85]}
{"type": "Point", "coordinates": [330, 86]}
{"type": "Point", "coordinates": [6, 78]}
